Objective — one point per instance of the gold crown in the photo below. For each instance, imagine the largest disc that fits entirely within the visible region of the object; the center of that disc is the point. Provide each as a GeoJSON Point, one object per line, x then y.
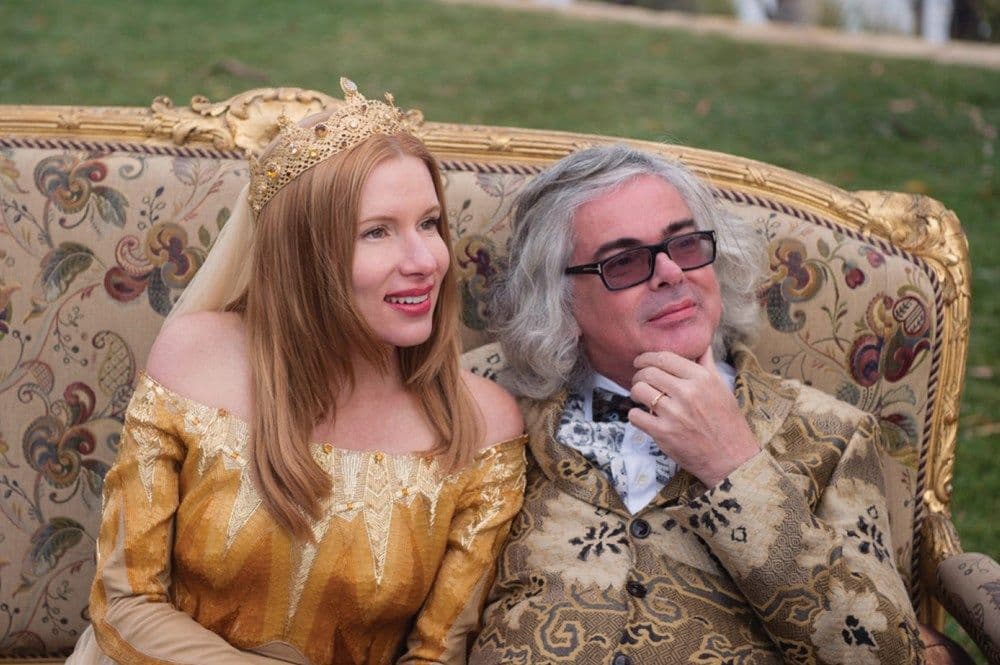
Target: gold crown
{"type": "Point", "coordinates": [297, 149]}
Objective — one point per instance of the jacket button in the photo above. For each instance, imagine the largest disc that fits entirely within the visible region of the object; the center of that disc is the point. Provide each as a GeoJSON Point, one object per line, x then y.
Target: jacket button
{"type": "Point", "coordinates": [639, 528]}
{"type": "Point", "coordinates": [637, 589]}
{"type": "Point", "coordinates": [621, 659]}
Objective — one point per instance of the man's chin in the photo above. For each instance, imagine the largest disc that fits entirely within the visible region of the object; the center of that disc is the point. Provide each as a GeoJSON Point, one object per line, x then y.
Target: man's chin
{"type": "Point", "coordinates": [690, 349]}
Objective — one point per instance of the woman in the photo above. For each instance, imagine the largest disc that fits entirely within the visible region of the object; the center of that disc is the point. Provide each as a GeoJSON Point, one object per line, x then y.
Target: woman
{"type": "Point", "coordinates": [305, 475]}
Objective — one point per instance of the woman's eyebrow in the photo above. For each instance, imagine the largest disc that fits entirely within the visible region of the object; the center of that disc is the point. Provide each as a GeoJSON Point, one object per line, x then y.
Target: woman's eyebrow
{"type": "Point", "coordinates": [434, 208]}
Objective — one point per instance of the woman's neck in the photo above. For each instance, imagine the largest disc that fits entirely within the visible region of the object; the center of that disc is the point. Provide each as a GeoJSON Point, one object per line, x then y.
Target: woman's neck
{"type": "Point", "coordinates": [372, 382]}
{"type": "Point", "coordinates": [379, 412]}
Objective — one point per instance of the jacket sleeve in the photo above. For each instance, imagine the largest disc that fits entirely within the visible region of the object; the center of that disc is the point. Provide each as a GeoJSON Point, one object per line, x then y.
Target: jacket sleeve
{"type": "Point", "coordinates": [450, 616]}
{"type": "Point", "coordinates": [132, 616]}
{"type": "Point", "coordinates": [823, 583]}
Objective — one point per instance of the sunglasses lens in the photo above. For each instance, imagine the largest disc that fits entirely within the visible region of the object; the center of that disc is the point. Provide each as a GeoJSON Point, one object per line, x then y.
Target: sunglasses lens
{"type": "Point", "coordinates": [627, 269]}
{"type": "Point", "coordinates": [691, 251]}
{"type": "Point", "coordinates": [634, 266]}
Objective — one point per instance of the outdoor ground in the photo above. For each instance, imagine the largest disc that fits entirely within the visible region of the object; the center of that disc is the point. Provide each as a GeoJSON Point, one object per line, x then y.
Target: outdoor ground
{"type": "Point", "coordinates": [861, 122]}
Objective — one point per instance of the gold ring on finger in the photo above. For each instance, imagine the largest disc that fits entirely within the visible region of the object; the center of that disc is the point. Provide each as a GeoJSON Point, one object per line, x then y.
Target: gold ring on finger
{"type": "Point", "coordinates": [652, 405]}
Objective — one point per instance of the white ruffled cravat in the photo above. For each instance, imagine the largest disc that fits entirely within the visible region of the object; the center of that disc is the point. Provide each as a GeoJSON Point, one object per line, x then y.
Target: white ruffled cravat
{"type": "Point", "coordinates": [635, 465]}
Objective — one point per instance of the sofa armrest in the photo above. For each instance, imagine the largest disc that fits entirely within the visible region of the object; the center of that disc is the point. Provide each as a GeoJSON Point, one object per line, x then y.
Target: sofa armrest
{"type": "Point", "coordinates": [967, 584]}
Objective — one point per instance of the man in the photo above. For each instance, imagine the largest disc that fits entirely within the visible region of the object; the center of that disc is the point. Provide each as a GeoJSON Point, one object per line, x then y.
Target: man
{"type": "Point", "coordinates": [734, 517]}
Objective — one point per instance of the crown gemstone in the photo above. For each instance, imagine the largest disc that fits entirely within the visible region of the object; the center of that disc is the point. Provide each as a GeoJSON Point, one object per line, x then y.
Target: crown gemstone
{"type": "Point", "coordinates": [297, 149]}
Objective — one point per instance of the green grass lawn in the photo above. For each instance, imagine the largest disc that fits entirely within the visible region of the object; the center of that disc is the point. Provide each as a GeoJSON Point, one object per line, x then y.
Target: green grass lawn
{"type": "Point", "coordinates": [859, 122]}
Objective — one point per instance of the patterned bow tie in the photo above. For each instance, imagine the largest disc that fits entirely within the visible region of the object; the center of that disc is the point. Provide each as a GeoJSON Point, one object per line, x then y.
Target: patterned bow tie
{"type": "Point", "coordinates": [610, 407]}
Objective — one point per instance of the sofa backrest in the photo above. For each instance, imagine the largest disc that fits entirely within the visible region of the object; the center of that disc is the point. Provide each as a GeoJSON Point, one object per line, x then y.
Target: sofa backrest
{"type": "Point", "coordinates": [107, 213]}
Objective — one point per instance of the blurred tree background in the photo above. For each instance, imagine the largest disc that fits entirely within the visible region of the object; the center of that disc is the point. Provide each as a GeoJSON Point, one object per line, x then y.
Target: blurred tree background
{"type": "Point", "coordinates": [971, 19]}
{"type": "Point", "coordinates": [859, 122]}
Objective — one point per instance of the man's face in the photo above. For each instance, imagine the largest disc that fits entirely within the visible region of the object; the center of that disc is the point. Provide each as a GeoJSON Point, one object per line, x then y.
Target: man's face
{"type": "Point", "coordinates": [671, 311]}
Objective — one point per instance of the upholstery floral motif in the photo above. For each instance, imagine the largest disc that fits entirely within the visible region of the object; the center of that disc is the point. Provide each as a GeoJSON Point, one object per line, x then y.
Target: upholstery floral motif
{"type": "Point", "coordinates": [855, 340]}
{"type": "Point", "coordinates": [479, 212]}
{"type": "Point", "coordinates": [6, 306]}
{"type": "Point", "coordinates": [896, 337]}
{"type": "Point", "coordinates": [166, 261]}
{"type": "Point", "coordinates": [474, 256]}
{"type": "Point", "coordinates": [70, 184]}
{"type": "Point", "coordinates": [10, 173]}
{"type": "Point", "coordinates": [83, 234]}
{"type": "Point", "coordinates": [794, 279]}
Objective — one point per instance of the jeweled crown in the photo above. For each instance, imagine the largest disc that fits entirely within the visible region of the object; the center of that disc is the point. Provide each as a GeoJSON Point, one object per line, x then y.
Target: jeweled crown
{"type": "Point", "coordinates": [297, 149]}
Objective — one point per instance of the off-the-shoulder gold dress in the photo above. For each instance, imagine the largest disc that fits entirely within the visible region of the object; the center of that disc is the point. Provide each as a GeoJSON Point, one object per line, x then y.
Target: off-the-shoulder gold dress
{"type": "Point", "coordinates": [191, 568]}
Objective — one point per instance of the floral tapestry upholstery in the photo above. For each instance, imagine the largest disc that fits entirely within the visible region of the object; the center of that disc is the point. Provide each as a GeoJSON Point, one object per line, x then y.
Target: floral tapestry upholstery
{"type": "Point", "coordinates": [96, 242]}
{"type": "Point", "coordinates": [98, 239]}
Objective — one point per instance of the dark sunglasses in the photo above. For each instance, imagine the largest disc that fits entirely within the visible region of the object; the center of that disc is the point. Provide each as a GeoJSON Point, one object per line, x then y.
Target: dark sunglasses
{"type": "Point", "coordinates": [689, 251]}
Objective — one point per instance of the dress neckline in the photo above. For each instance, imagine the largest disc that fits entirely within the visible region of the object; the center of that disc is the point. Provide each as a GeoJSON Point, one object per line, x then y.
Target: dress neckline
{"type": "Point", "coordinates": [326, 446]}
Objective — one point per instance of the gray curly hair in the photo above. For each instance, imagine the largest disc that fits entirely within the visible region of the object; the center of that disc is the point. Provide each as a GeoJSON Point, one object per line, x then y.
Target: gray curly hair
{"type": "Point", "coordinates": [531, 300]}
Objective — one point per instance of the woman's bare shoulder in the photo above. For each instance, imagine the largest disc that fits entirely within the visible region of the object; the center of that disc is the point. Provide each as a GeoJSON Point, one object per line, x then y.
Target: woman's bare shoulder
{"type": "Point", "coordinates": [501, 416]}
{"type": "Point", "coordinates": [203, 356]}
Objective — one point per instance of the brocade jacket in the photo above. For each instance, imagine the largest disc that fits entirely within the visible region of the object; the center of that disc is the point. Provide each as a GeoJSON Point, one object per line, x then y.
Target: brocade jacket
{"type": "Point", "coordinates": [786, 560]}
{"type": "Point", "coordinates": [192, 569]}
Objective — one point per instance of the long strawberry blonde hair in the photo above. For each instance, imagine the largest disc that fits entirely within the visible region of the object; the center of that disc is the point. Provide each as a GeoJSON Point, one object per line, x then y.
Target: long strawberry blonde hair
{"type": "Point", "coordinates": [303, 325]}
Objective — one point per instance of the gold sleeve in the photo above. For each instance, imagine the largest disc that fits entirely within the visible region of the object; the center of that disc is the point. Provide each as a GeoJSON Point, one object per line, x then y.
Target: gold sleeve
{"type": "Point", "coordinates": [450, 616]}
{"type": "Point", "coordinates": [133, 618]}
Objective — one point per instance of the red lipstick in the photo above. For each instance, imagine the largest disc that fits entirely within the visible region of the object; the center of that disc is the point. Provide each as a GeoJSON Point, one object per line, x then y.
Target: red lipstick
{"type": "Point", "coordinates": [412, 302]}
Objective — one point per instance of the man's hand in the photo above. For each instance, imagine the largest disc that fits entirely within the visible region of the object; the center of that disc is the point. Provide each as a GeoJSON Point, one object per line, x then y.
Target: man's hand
{"type": "Point", "coordinates": [696, 421]}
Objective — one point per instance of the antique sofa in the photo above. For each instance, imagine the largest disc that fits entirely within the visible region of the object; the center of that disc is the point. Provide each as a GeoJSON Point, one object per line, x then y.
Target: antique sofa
{"type": "Point", "coordinates": [107, 213]}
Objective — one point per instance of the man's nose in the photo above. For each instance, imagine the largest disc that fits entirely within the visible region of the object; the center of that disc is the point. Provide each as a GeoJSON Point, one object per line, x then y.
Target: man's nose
{"type": "Point", "coordinates": [665, 272]}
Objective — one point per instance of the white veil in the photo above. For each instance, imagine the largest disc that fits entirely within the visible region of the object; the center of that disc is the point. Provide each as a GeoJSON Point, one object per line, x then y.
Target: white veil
{"type": "Point", "coordinates": [226, 271]}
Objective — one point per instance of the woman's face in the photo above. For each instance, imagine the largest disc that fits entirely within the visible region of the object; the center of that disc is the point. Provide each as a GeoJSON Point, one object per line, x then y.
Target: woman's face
{"type": "Point", "coordinates": [400, 257]}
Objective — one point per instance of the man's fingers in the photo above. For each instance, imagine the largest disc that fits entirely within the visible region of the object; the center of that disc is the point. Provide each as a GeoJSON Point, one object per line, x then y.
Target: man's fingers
{"type": "Point", "coordinates": [652, 397]}
{"type": "Point", "coordinates": [669, 362]}
{"type": "Point", "coordinates": [644, 421]}
{"type": "Point", "coordinates": [657, 378]}
{"type": "Point", "coordinates": [707, 360]}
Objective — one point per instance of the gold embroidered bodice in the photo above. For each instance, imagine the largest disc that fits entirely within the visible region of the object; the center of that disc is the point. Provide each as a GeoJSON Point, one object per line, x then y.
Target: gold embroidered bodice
{"type": "Point", "coordinates": [402, 549]}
